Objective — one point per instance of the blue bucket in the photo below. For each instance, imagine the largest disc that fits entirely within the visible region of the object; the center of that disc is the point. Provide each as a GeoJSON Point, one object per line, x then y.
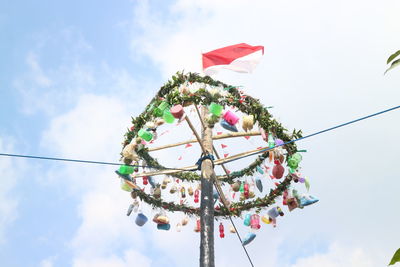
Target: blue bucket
{"type": "Point", "coordinates": [141, 219]}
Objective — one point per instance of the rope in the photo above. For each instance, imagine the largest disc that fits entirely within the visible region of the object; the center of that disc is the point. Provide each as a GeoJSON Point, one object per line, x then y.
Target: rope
{"type": "Point", "coordinates": [208, 156]}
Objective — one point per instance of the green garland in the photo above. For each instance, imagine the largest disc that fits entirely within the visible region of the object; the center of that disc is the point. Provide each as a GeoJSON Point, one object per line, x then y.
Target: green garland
{"type": "Point", "coordinates": [233, 97]}
{"type": "Point", "coordinates": [244, 103]}
{"type": "Point", "coordinates": [235, 209]}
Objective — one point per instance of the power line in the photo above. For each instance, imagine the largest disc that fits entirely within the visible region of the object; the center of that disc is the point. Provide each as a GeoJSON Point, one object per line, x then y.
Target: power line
{"type": "Point", "coordinates": [260, 151]}
{"type": "Point", "coordinates": [156, 167]}
{"type": "Point", "coordinates": [241, 242]}
{"type": "Point", "coordinates": [317, 133]}
{"type": "Point", "coordinates": [263, 150]}
{"type": "Point", "coordinates": [83, 161]}
{"type": "Point", "coordinates": [234, 226]}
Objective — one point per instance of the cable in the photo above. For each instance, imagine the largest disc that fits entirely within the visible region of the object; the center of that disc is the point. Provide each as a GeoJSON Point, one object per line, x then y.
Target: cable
{"type": "Point", "coordinates": [260, 151]}
{"type": "Point", "coordinates": [83, 161]}
{"type": "Point", "coordinates": [165, 168]}
{"type": "Point", "coordinates": [292, 141]}
{"type": "Point", "coordinates": [316, 133]}
{"type": "Point", "coordinates": [234, 226]}
{"type": "Point", "coordinates": [241, 242]}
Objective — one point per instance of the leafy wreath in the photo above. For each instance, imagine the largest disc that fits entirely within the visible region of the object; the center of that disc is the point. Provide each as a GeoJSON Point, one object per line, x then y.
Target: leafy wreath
{"type": "Point", "coordinates": [178, 92]}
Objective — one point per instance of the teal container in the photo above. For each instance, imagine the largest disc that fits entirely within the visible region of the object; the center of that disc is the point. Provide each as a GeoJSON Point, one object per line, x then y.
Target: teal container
{"type": "Point", "coordinates": [165, 227]}
{"type": "Point", "coordinates": [215, 109]}
{"type": "Point", "coordinates": [145, 135]}
{"type": "Point", "coordinates": [260, 170]}
{"type": "Point", "coordinates": [247, 220]}
{"type": "Point", "coordinates": [168, 117]}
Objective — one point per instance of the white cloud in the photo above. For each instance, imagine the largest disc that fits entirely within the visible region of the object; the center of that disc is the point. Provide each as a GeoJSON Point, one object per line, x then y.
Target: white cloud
{"type": "Point", "coordinates": [323, 65]}
{"type": "Point", "coordinates": [130, 258]}
{"type": "Point", "coordinates": [310, 85]}
{"type": "Point", "coordinates": [89, 115]}
{"type": "Point", "coordinates": [49, 90]}
{"type": "Point", "coordinates": [54, 86]}
{"type": "Point", "coordinates": [93, 130]}
{"type": "Point", "coordinates": [37, 73]}
{"type": "Point", "coordinates": [47, 262]}
{"type": "Point", "coordinates": [339, 256]}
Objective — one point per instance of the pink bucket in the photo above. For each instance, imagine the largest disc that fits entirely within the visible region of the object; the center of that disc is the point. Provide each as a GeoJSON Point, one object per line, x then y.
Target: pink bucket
{"type": "Point", "coordinates": [177, 111]}
{"type": "Point", "coordinates": [231, 117]}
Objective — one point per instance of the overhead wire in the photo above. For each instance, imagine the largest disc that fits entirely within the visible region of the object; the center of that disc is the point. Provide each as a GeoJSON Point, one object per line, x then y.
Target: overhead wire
{"type": "Point", "coordinates": [316, 133]}
{"type": "Point", "coordinates": [166, 168]}
{"type": "Point", "coordinates": [251, 154]}
{"type": "Point", "coordinates": [84, 161]}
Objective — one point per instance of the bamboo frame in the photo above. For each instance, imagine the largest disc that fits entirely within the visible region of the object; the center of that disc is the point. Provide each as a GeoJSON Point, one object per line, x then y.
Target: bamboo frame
{"type": "Point", "coordinates": [217, 137]}
{"type": "Point", "coordinates": [216, 182]}
{"type": "Point", "coordinates": [194, 167]}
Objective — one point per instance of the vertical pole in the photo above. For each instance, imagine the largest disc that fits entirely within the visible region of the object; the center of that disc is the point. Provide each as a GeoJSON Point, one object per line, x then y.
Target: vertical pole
{"type": "Point", "coordinates": [207, 201]}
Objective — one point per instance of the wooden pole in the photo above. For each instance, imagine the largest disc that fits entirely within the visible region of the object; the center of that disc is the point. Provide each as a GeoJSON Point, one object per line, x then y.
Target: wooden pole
{"type": "Point", "coordinates": [207, 203]}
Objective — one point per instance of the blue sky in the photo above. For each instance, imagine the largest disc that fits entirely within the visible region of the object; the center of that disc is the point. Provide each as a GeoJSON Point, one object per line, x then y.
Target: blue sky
{"type": "Point", "coordinates": [72, 74]}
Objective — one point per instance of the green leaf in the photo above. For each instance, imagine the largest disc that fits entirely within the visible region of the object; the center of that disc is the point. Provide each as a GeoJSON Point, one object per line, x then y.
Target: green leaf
{"type": "Point", "coordinates": [396, 257]}
{"type": "Point", "coordinates": [393, 57]}
{"type": "Point", "coordinates": [395, 63]}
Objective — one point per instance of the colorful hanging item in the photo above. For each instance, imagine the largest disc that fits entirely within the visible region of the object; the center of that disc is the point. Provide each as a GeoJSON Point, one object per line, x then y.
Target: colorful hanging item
{"type": "Point", "coordinates": [177, 111]}
{"type": "Point", "coordinates": [145, 135]}
{"type": "Point", "coordinates": [228, 126]}
{"type": "Point", "coordinates": [259, 184]}
{"type": "Point", "coordinates": [278, 170]}
{"type": "Point", "coordinates": [231, 117]}
{"type": "Point", "coordinates": [221, 231]}
{"type": "Point", "coordinates": [141, 219]}
{"type": "Point", "coordinates": [165, 227]}
{"type": "Point", "coordinates": [248, 238]}
{"type": "Point", "coordinates": [215, 109]}
{"type": "Point", "coordinates": [248, 122]}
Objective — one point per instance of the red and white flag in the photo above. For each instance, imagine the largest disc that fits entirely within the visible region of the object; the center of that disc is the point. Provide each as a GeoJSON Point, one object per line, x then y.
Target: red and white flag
{"type": "Point", "coordinates": [240, 57]}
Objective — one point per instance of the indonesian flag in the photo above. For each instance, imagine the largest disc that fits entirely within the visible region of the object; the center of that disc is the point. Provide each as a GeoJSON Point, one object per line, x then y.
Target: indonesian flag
{"type": "Point", "coordinates": [240, 57]}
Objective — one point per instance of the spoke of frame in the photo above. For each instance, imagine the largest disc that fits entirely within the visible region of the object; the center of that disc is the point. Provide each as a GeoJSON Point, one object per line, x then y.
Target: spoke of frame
{"type": "Point", "coordinates": [217, 137]}
{"type": "Point", "coordinates": [194, 167]}
{"type": "Point", "coordinates": [195, 133]}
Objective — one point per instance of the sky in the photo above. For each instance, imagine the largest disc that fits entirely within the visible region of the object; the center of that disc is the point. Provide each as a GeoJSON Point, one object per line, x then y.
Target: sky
{"type": "Point", "coordinates": [74, 72]}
